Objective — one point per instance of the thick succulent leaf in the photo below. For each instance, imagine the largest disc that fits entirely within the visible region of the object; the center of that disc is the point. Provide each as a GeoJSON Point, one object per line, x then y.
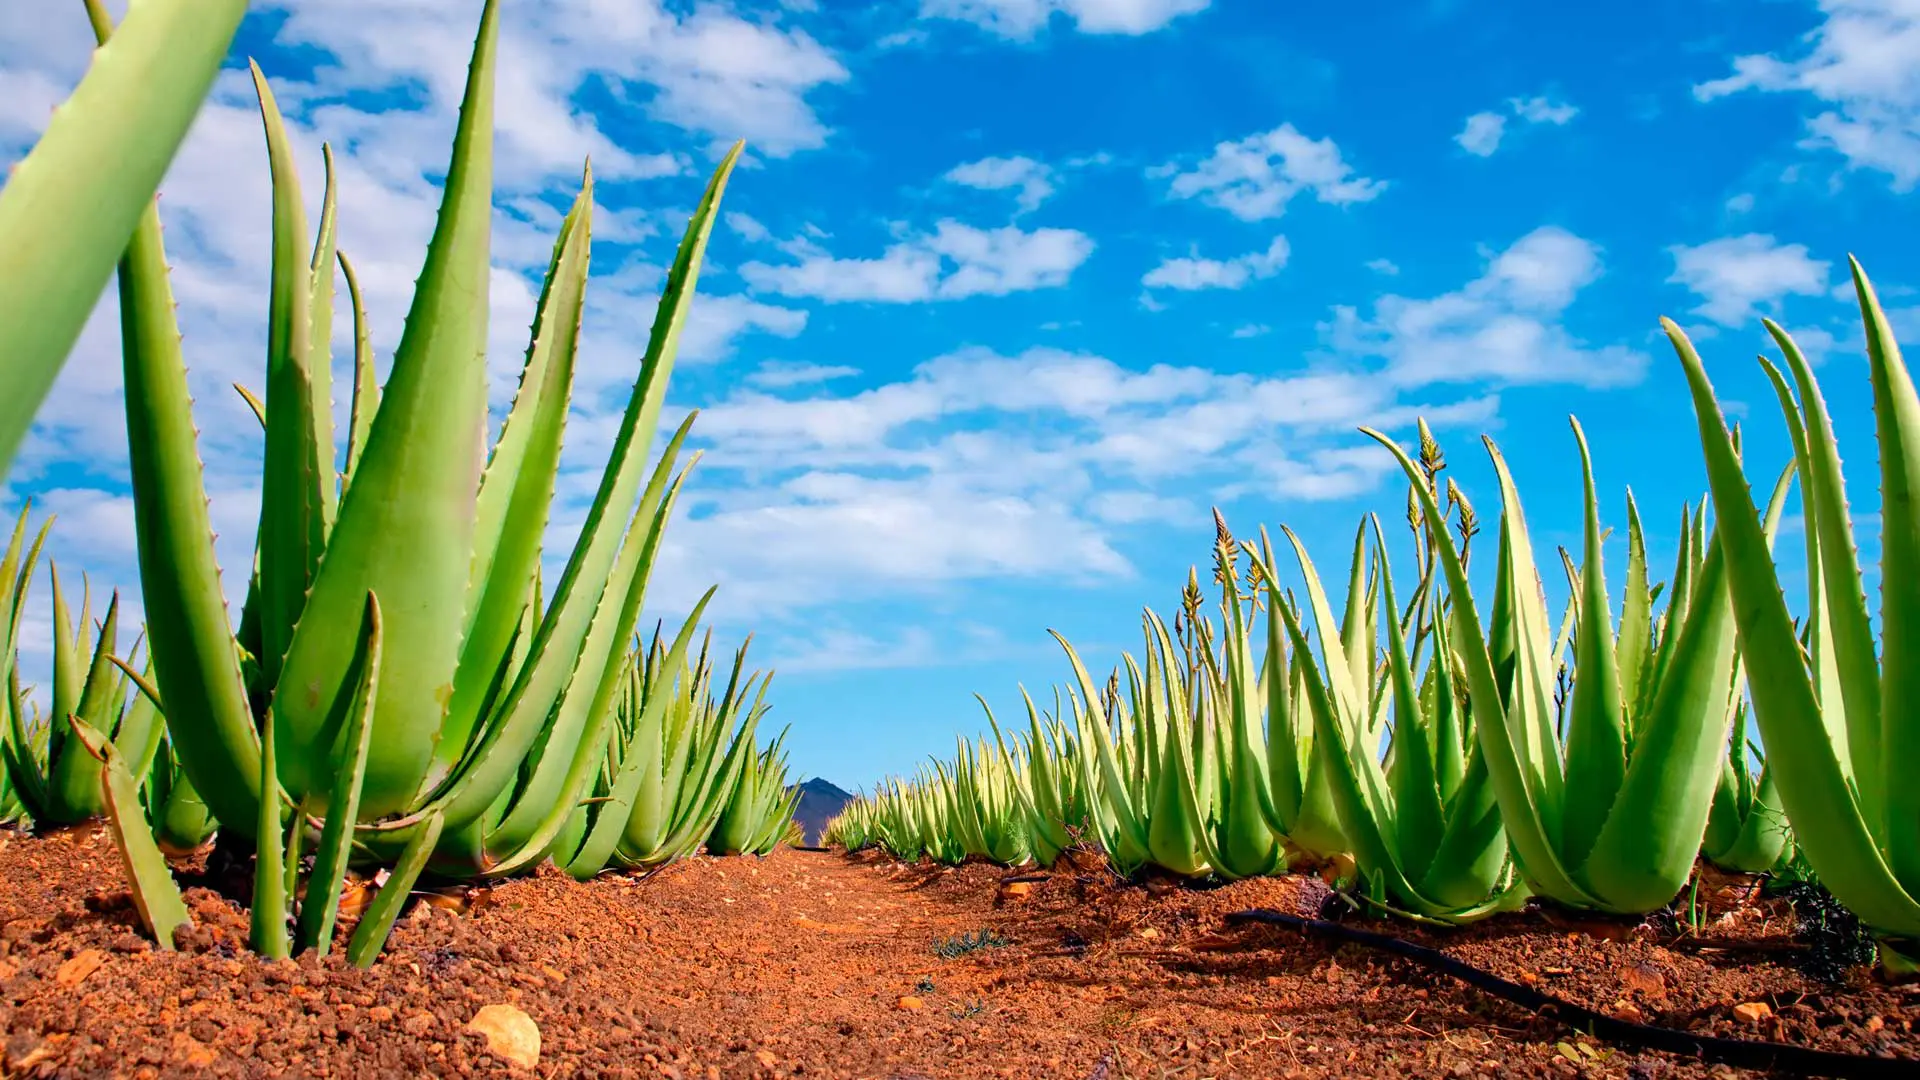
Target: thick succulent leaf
{"type": "Point", "coordinates": [68, 207]}
{"type": "Point", "coordinates": [416, 479]}
{"type": "Point", "coordinates": [1635, 642]}
{"type": "Point", "coordinates": [155, 894]}
{"type": "Point", "coordinates": [1530, 710]}
{"type": "Point", "coordinates": [1596, 726]}
{"type": "Point", "coordinates": [75, 793]}
{"type": "Point", "coordinates": [297, 470]}
{"type": "Point", "coordinates": [1419, 816]}
{"type": "Point", "coordinates": [1844, 603]}
{"type": "Point", "coordinates": [377, 922]}
{"type": "Point", "coordinates": [1826, 669]}
{"type": "Point", "coordinates": [562, 774]}
{"type": "Point", "coordinates": [322, 903]}
{"type": "Point", "coordinates": [270, 892]}
{"type": "Point", "coordinates": [196, 666]}
{"type": "Point", "coordinates": [366, 388]}
{"type": "Point", "coordinates": [1896, 411]}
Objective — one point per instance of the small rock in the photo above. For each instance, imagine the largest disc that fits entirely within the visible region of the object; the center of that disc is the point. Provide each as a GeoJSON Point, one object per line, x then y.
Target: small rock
{"type": "Point", "coordinates": [192, 1052]}
{"type": "Point", "coordinates": [765, 1058]}
{"type": "Point", "coordinates": [912, 1004]}
{"type": "Point", "coordinates": [417, 1024]}
{"type": "Point", "coordinates": [84, 963]}
{"type": "Point", "coordinates": [379, 1014]}
{"type": "Point", "coordinates": [1018, 890]}
{"type": "Point", "coordinates": [1875, 1023]}
{"type": "Point", "coordinates": [1149, 933]}
{"type": "Point", "coordinates": [1753, 1012]}
{"type": "Point", "coordinates": [510, 1033]}
{"type": "Point", "coordinates": [1629, 1012]}
{"type": "Point", "coordinates": [1645, 978]}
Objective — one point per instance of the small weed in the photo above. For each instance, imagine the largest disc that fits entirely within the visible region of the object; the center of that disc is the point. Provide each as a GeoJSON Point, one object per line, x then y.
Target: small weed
{"type": "Point", "coordinates": [970, 1010]}
{"type": "Point", "coordinates": [1836, 941]}
{"type": "Point", "coordinates": [954, 947]}
{"type": "Point", "coordinates": [924, 986]}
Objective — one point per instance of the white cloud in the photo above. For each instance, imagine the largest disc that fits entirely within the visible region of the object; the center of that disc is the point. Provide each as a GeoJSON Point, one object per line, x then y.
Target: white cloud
{"type": "Point", "coordinates": [1022, 19]}
{"type": "Point", "coordinates": [1542, 110]}
{"type": "Point", "coordinates": [1193, 272]}
{"type": "Point", "coordinates": [1384, 267]}
{"type": "Point", "coordinates": [953, 262]}
{"type": "Point", "coordinates": [775, 375]}
{"type": "Point", "coordinates": [982, 466]}
{"type": "Point", "coordinates": [1736, 276]}
{"type": "Point", "coordinates": [747, 228]}
{"type": "Point", "coordinates": [1484, 131]}
{"type": "Point", "coordinates": [1032, 180]}
{"type": "Point", "coordinates": [1133, 507]}
{"type": "Point", "coordinates": [1250, 330]}
{"type": "Point", "coordinates": [1862, 67]}
{"type": "Point", "coordinates": [1482, 135]}
{"type": "Point", "coordinates": [713, 322]}
{"type": "Point", "coordinates": [1502, 326]}
{"type": "Point", "coordinates": [1256, 177]}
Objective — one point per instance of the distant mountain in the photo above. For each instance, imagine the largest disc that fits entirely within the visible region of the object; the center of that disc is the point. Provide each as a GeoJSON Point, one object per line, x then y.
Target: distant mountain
{"type": "Point", "coordinates": [820, 802]}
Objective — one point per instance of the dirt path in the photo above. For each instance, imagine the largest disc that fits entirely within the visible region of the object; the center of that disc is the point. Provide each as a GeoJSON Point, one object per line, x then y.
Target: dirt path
{"type": "Point", "coordinates": [807, 964]}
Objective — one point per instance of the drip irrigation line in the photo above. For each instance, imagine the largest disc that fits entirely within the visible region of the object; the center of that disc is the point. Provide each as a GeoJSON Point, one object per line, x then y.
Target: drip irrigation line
{"type": "Point", "coordinates": [806, 847]}
{"type": "Point", "coordinates": [1741, 1053]}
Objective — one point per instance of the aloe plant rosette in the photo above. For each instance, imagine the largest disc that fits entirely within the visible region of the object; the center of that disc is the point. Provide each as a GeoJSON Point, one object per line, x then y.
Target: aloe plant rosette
{"type": "Point", "coordinates": [396, 656]}
{"type": "Point", "coordinates": [1612, 817]}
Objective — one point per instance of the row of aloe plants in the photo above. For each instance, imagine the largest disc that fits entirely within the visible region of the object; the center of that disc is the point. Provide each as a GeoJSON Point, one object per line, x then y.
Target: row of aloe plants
{"type": "Point", "coordinates": [1468, 749]}
{"type": "Point", "coordinates": [418, 706]}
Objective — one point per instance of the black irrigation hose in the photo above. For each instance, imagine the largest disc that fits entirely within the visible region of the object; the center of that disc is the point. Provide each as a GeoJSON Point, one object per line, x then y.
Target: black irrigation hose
{"type": "Point", "coordinates": [806, 847]}
{"type": "Point", "coordinates": [1742, 1053]}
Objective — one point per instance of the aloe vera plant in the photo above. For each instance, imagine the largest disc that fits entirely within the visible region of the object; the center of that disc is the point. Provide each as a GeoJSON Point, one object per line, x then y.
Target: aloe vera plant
{"type": "Point", "coordinates": [1612, 817]}
{"type": "Point", "coordinates": [1841, 740]}
{"type": "Point", "coordinates": [53, 779]}
{"type": "Point", "coordinates": [673, 761]}
{"type": "Point", "coordinates": [1424, 824]}
{"type": "Point", "coordinates": [488, 702]}
{"type": "Point", "coordinates": [179, 816]}
{"type": "Point", "coordinates": [68, 207]}
{"type": "Point", "coordinates": [1046, 780]}
{"type": "Point", "coordinates": [472, 670]}
{"type": "Point", "coordinates": [756, 815]}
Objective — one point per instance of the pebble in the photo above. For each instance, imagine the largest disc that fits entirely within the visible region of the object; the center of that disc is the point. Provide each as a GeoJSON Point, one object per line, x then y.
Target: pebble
{"type": "Point", "coordinates": [83, 964]}
{"type": "Point", "coordinates": [510, 1033]}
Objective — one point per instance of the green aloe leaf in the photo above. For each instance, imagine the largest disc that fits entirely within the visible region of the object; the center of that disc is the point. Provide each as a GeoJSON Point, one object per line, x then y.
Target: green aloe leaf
{"type": "Point", "coordinates": [376, 924]}
{"type": "Point", "coordinates": [155, 894]}
{"type": "Point", "coordinates": [69, 206]}
{"type": "Point", "coordinates": [415, 479]}
{"type": "Point", "coordinates": [1596, 729]}
{"type": "Point", "coordinates": [322, 903]}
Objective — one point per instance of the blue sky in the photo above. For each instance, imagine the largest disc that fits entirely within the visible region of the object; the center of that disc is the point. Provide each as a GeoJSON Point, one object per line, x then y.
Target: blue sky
{"type": "Point", "coordinates": [1012, 291]}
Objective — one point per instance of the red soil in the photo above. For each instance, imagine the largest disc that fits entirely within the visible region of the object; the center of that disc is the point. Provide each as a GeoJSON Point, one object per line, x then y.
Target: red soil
{"type": "Point", "coordinates": [808, 964]}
